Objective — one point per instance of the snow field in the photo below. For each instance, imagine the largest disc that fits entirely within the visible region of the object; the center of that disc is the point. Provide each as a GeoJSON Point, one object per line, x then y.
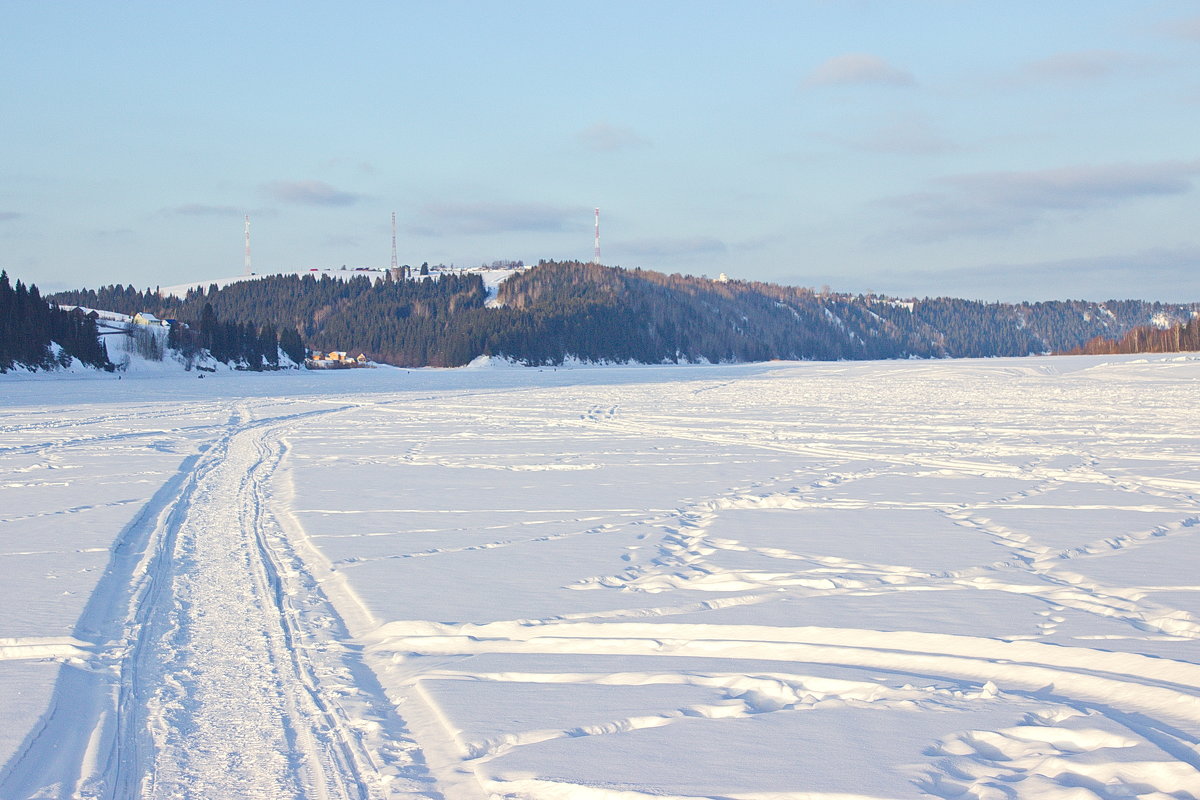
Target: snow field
{"type": "Point", "coordinates": [879, 580]}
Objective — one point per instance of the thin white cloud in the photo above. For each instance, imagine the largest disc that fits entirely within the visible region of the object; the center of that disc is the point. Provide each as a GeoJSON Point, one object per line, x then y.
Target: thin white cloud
{"type": "Point", "coordinates": [438, 219]}
{"type": "Point", "coordinates": [114, 235]}
{"type": "Point", "coordinates": [999, 202]}
{"type": "Point", "coordinates": [1169, 274]}
{"type": "Point", "coordinates": [357, 165]}
{"type": "Point", "coordinates": [667, 247]}
{"type": "Point", "coordinates": [1186, 28]}
{"type": "Point", "coordinates": [202, 210]}
{"type": "Point", "coordinates": [1078, 187]}
{"type": "Point", "coordinates": [1086, 65]}
{"type": "Point", "coordinates": [604, 138]}
{"type": "Point", "coordinates": [311, 193]}
{"type": "Point", "coordinates": [852, 69]}
{"type": "Point", "coordinates": [907, 136]}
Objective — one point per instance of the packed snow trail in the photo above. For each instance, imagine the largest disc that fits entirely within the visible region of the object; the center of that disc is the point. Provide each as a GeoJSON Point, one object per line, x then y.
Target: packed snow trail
{"type": "Point", "coordinates": [232, 705]}
{"type": "Point", "coordinates": [229, 674]}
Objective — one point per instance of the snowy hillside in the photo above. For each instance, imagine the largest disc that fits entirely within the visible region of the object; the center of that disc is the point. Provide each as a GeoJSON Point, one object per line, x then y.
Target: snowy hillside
{"type": "Point", "coordinates": [824, 581]}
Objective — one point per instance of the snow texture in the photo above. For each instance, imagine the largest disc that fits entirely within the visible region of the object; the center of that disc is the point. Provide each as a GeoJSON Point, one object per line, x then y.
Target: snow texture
{"type": "Point", "coordinates": [955, 579]}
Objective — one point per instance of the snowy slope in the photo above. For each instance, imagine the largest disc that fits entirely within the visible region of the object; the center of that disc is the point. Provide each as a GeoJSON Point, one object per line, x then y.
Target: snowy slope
{"type": "Point", "coordinates": [868, 580]}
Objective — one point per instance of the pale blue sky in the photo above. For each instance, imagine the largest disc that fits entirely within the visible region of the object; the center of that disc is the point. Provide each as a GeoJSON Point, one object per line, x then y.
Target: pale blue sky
{"type": "Point", "coordinates": [1000, 150]}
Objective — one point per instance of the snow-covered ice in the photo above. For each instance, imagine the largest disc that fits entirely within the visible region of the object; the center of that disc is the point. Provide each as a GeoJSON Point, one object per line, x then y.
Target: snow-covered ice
{"type": "Point", "coordinates": [810, 581]}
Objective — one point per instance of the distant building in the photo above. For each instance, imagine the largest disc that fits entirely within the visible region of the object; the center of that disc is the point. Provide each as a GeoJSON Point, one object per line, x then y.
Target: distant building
{"type": "Point", "coordinates": [335, 359]}
{"type": "Point", "coordinates": [82, 313]}
{"type": "Point", "coordinates": [146, 318]}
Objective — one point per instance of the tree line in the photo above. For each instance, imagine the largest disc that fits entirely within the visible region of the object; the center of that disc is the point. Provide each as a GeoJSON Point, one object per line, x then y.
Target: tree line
{"type": "Point", "coordinates": [556, 311]}
{"type": "Point", "coordinates": [1177, 338]}
{"type": "Point", "coordinates": [30, 327]}
{"type": "Point", "coordinates": [245, 344]}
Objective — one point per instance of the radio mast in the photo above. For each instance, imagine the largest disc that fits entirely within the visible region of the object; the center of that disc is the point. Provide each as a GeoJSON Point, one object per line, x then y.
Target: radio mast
{"type": "Point", "coordinates": [596, 252]}
{"type": "Point", "coordinates": [394, 262]}
{"type": "Point", "coordinates": [248, 273]}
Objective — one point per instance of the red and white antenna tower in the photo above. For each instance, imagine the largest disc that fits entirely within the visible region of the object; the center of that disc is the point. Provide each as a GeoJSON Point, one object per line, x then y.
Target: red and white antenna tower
{"type": "Point", "coordinates": [248, 245]}
{"type": "Point", "coordinates": [596, 252]}
{"type": "Point", "coordinates": [395, 263]}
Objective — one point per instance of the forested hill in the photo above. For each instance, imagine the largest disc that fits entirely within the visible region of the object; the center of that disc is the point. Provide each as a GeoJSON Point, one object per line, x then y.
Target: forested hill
{"type": "Point", "coordinates": [1181, 337]}
{"type": "Point", "coordinates": [654, 316]}
{"type": "Point", "coordinates": [559, 310]}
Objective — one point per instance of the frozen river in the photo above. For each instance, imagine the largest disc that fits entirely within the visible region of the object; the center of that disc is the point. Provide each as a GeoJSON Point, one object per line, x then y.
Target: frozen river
{"type": "Point", "coordinates": [945, 579]}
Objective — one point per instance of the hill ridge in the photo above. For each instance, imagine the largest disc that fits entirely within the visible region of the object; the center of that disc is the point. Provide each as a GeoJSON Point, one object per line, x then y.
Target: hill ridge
{"type": "Point", "coordinates": [561, 310]}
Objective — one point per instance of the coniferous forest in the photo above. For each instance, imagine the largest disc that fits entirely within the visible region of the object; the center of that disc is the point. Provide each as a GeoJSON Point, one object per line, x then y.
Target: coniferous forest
{"type": "Point", "coordinates": [244, 344]}
{"type": "Point", "coordinates": [30, 327]}
{"type": "Point", "coordinates": [562, 310]}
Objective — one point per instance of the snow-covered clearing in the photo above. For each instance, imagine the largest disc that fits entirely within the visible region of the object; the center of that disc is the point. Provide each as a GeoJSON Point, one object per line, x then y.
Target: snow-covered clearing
{"type": "Point", "coordinates": [875, 580]}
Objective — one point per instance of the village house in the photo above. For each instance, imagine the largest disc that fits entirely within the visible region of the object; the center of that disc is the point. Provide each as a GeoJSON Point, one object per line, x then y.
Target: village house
{"type": "Point", "coordinates": [335, 359]}
{"type": "Point", "coordinates": [146, 318]}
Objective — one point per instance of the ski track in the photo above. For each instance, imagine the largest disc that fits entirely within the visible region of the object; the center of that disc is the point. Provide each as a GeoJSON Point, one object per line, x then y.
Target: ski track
{"type": "Point", "coordinates": [225, 657]}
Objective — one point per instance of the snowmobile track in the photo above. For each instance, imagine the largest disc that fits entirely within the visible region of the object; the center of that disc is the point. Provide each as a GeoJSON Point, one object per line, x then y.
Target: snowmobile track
{"type": "Point", "coordinates": [221, 659]}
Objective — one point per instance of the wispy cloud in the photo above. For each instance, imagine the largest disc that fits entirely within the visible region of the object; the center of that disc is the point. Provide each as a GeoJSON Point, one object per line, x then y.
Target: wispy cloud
{"type": "Point", "coordinates": [1086, 65]}
{"type": "Point", "coordinates": [5, 216]}
{"type": "Point", "coordinates": [907, 136]}
{"type": "Point", "coordinates": [202, 210]}
{"type": "Point", "coordinates": [858, 69]}
{"type": "Point", "coordinates": [354, 164]}
{"type": "Point", "coordinates": [437, 219]}
{"type": "Point", "coordinates": [667, 247]}
{"type": "Point", "coordinates": [999, 202]}
{"type": "Point", "coordinates": [1169, 274]}
{"type": "Point", "coordinates": [116, 235]}
{"type": "Point", "coordinates": [341, 241]}
{"type": "Point", "coordinates": [604, 138]}
{"type": "Point", "coordinates": [311, 193]}
{"type": "Point", "coordinates": [1186, 28]}
{"type": "Point", "coordinates": [1105, 277]}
